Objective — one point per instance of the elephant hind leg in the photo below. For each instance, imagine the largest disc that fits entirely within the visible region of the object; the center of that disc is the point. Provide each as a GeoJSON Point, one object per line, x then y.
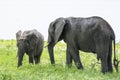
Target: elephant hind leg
{"type": "Point", "coordinates": [109, 59]}
{"type": "Point", "coordinates": [31, 59]}
{"type": "Point", "coordinates": [104, 66]}
{"type": "Point", "coordinates": [103, 53]}
{"type": "Point", "coordinates": [37, 57]}
{"type": "Point", "coordinates": [103, 56]}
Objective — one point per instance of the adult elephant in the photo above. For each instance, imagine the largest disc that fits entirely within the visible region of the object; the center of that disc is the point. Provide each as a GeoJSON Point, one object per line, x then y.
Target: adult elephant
{"type": "Point", "coordinates": [30, 42]}
{"type": "Point", "coordinates": [92, 34]}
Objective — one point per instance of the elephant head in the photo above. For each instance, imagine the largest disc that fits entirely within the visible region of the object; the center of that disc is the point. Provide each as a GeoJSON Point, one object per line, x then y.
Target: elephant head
{"type": "Point", "coordinates": [55, 31]}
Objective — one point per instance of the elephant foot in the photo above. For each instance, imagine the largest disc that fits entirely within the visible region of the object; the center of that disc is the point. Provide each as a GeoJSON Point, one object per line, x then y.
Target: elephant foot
{"type": "Point", "coordinates": [69, 65]}
{"type": "Point", "coordinates": [110, 70]}
{"type": "Point", "coordinates": [53, 62]}
{"type": "Point", "coordinates": [19, 65]}
{"type": "Point", "coordinates": [79, 66]}
{"type": "Point", "coordinates": [104, 71]}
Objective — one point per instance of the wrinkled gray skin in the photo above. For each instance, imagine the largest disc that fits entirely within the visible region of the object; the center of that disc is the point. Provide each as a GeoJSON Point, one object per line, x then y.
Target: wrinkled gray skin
{"type": "Point", "coordinates": [30, 42]}
{"type": "Point", "coordinates": [92, 34]}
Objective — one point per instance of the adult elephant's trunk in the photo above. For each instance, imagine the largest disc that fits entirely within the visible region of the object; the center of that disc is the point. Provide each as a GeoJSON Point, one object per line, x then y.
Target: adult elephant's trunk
{"type": "Point", "coordinates": [50, 50]}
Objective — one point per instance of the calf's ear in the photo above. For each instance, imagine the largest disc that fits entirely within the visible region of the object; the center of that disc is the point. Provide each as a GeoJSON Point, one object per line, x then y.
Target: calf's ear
{"type": "Point", "coordinates": [32, 39]}
{"type": "Point", "coordinates": [18, 35]}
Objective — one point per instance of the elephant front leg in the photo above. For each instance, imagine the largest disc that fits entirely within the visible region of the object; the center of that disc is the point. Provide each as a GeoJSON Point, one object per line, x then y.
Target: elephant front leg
{"type": "Point", "coordinates": [68, 59]}
{"type": "Point", "coordinates": [78, 61]}
{"type": "Point", "coordinates": [74, 53]}
{"type": "Point", "coordinates": [51, 54]}
{"type": "Point", "coordinates": [20, 58]}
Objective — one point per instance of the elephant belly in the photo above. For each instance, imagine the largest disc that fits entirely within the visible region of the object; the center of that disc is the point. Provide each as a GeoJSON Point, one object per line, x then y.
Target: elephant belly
{"type": "Point", "coordinates": [85, 41]}
{"type": "Point", "coordinates": [87, 46]}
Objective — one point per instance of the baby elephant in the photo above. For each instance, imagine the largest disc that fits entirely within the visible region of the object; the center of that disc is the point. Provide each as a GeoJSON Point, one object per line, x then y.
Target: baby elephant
{"type": "Point", "coordinates": [30, 42]}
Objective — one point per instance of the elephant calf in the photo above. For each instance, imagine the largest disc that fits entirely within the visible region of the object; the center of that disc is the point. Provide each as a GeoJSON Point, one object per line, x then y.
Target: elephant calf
{"type": "Point", "coordinates": [30, 42]}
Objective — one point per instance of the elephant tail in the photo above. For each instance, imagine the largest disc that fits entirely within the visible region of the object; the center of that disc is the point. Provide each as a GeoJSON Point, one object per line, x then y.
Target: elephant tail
{"type": "Point", "coordinates": [116, 62]}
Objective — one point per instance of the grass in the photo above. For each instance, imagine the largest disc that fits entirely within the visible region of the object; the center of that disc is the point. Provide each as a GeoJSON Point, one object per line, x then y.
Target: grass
{"type": "Point", "coordinates": [46, 71]}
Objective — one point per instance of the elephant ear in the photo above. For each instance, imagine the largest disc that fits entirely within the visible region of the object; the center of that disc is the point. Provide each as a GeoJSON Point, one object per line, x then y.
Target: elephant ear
{"type": "Point", "coordinates": [32, 39]}
{"type": "Point", "coordinates": [50, 32]}
{"type": "Point", "coordinates": [55, 30]}
{"type": "Point", "coordinates": [18, 35]}
{"type": "Point", "coordinates": [59, 26]}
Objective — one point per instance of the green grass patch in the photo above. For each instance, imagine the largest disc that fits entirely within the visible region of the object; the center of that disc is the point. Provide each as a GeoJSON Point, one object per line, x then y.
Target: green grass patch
{"type": "Point", "coordinates": [46, 71]}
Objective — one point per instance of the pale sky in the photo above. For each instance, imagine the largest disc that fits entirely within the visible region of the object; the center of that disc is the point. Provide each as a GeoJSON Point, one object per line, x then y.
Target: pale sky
{"type": "Point", "coordinates": [37, 14]}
